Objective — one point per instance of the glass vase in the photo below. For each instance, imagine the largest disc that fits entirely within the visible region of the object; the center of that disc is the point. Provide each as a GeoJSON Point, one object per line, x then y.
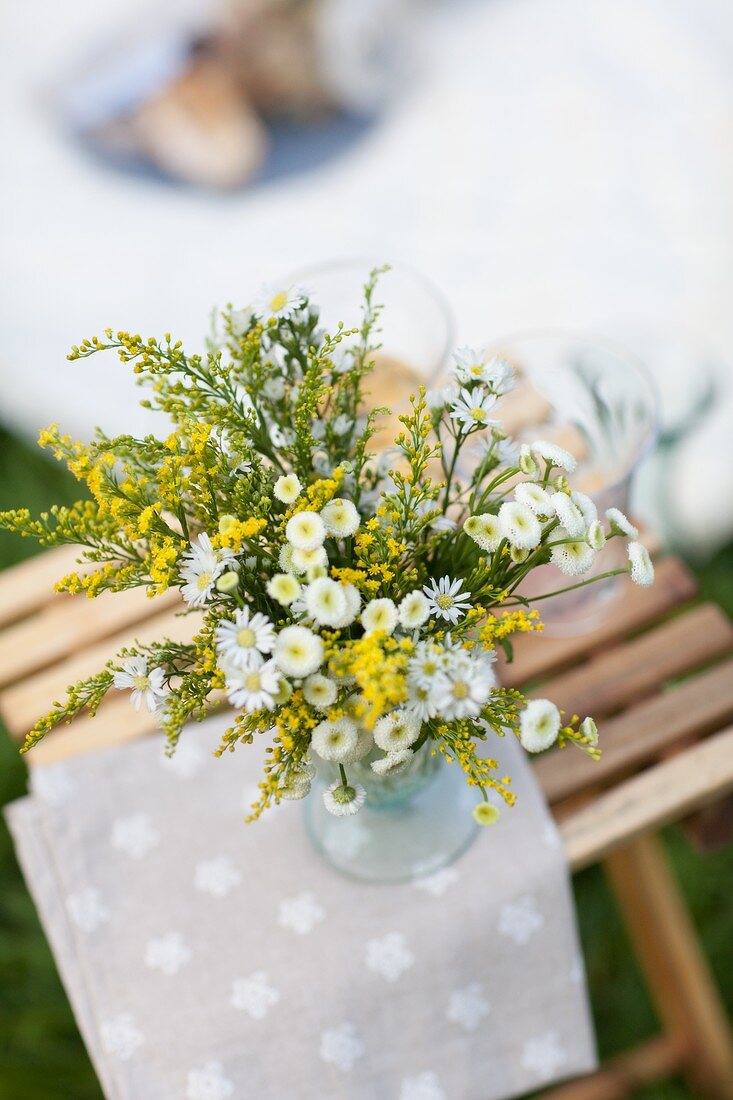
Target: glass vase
{"type": "Point", "coordinates": [411, 825]}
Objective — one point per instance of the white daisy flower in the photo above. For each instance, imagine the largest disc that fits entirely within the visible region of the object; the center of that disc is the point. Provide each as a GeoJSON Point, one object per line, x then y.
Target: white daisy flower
{"type": "Point", "coordinates": [472, 407]}
{"type": "Point", "coordinates": [446, 598]}
{"type": "Point", "coordinates": [642, 570]}
{"type": "Point", "coordinates": [507, 451]}
{"type": "Point", "coordinates": [343, 801]}
{"type": "Point", "coordinates": [325, 601]}
{"type": "Point", "coordinates": [393, 763]}
{"type": "Point", "coordinates": [279, 302]}
{"type": "Point", "coordinates": [534, 497]}
{"type": "Point", "coordinates": [298, 651]}
{"type": "Point", "coordinates": [305, 531]}
{"type": "Point", "coordinates": [569, 514]}
{"type": "Point", "coordinates": [519, 525]}
{"type": "Point", "coordinates": [396, 731]}
{"type": "Point", "coordinates": [336, 741]}
{"type": "Point", "coordinates": [319, 691]}
{"type": "Point", "coordinates": [241, 641]}
{"type": "Point", "coordinates": [413, 610]}
{"type": "Point", "coordinates": [438, 399]}
{"type": "Point", "coordinates": [556, 456]}
{"type": "Point", "coordinates": [484, 530]}
{"type": "Point", "coordinates": [590, 730]}
{"type": "Point", "coordinates": [342, 425]}
{"type": "Point", "coordinates": [288, 488]}
{"type": "Point", "coordinates": [420, 702]}
{"type": "Point", "coordinates": [480, 366]}
{"type": "Point", "coordinates": [253, 688]}
{"type": "Point", "coordinates": [340, 518]}
{"type": "Point", "coordinates": [425, 664]}
{"type": "Point", "coordinates": [147, 687]}
{"type": "Point", "coordinates": [587, 506]}
{"type": "Point", "coordinates": [305, 561]}
{"type": "Point", "coordinates": [571, 558]}
{"type": "Point", "coordinates": [539, 725]}
{"type": "Point", "coordinates": [620, 524]}
{"type": "Point", "coordinates": [462, 690]}
{"type": "Point", "coordinates": [379, 615]}
{"type": "Point", "coordinates": [201, 568]}
{"type": "Point", "coordinates": [284, 588]}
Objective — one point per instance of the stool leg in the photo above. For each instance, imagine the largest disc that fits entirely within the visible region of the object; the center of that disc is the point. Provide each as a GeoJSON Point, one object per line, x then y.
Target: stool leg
{"type": "Point", "coordinates": [681, 985]}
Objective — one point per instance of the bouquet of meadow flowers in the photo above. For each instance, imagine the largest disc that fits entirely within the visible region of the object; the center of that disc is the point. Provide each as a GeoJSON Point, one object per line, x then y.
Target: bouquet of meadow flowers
{"type": "Point", "coordinates": [350, 603]}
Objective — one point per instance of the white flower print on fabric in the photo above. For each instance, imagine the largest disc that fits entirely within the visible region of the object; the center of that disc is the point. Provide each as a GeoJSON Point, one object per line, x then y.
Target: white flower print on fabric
{"type": "Point", "coordinates": [520, 919]}
{"type": "Point", "coordinates": [543, 1055]}
{"type": "Point", "coordinates": [425, 1086]}
{"type": "Point", "coordinates": [53, 785]}
{"type": "Point", "coordinates": [187, 760]}
{"type": "Point", "coordinates": [468, 1006]}
{"type": "Point", "coordinates": [121, 1037]}
{"type": "Point", "coordinates": [134, 835]}
{"type": "Point", "coordinates": [208, 1083]}
{"type": "Point", "coordinates": [87, 910]}
{"type": "Point", "coordinates": [436, 884]}
{"type": "Point", "coordinates": [216, 876]}
{"type": "Point", "coordinates": [301, 914]}
{"type": "Point", "coordinates": [389, 956]}
{"type": "Point", "coordinates": [254, 995]}
{"type": "Point", "coordinates": [167, 953]}
{"type": "Point", "coordinates": [341, 1046]}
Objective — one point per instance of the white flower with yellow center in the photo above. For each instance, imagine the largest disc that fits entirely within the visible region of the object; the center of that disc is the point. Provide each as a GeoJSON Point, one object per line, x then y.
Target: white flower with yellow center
{"type": "Point", "coordinates": [396, 731]}
{"type": "Point", "coordinates": [319, 691]}
{"type": "Point", "coordinates": [287, 488]}
{"type": "Point", "coordinates": [305, 531]}
{"type": "Point", "coordinates": [200, 569]}
{"type": "Point", "coordinates": [482, 366]}
{"type": "Point", "coordinates": [343, 800]}
{"type": "Point", "coordinates": [519, 525]}
{"type": "Point", "coordinates": [539, 725]}
{"type": "Point", "coordinates": [241, 641]}
{"type": "Point", "coordinates": [642, 569]}
{"type": "Point", "coordinates": [379, 615]}
{"type": "Point", "coordinates": [472, 407]}
{"type": "Point", "coordinates": [336, 741]}
{"type": "Point", "coordinates": [571, 558]}
{"type": "Point", "coordinates": [556, 456]}
{"type": "Point", "coordinates": [254, 688]}
{"type": "Point", "coordinates": [484, 530]}
{"type": "Point", "coordinates": [340, 518]}
{"type": "Point", "coordinates": [534, 497]}
{"type": "Point", "coordinates": [147, 687]}
{"type": "Point", "coordinates": [306, 561]}
{"type": "Point", "coordinates": [446, 598]}
{"type": "Point", "coordinates": [393, 763]}
{"type": "Point", "coordinates": [325, 602]}
{"type": "Point", "coordinates": [620, 525]}
{"type": "Point", "coordinates": [298, 651]}
{"type": "Point", "coordinates": [425, 664]}
{"type": "Point", "coordinates": [413, 610]}
{"type": "Point", "coordinates": [278, 302]}
{"type": "Point", "coordinates": [462, 690]}
{"type": "Point", "coordinates": [284, 588]}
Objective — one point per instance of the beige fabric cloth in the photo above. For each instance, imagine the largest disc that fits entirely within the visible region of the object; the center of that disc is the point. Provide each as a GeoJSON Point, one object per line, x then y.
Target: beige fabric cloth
{"type": "Point", "coordinates": [208, 960]}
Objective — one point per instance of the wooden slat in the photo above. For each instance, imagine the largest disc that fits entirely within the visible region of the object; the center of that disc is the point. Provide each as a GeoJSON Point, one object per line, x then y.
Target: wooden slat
{"type": "Point", "coordinates": [22, 703]}
{"type": "Point", "coordinates": [69, 625]}
{"type": "Point", "coordinates": [664, 793]}
{"type": "Point", "coordinates": [636, 669]}
{"type": "Point", "coordinates": [623, 1075]}
{"type": "Point", "coordinates": [26, 587]}
{"type": "Point", "coordinates": [540, 655]}
{"type": "Point", "coordinates": [695, 708]}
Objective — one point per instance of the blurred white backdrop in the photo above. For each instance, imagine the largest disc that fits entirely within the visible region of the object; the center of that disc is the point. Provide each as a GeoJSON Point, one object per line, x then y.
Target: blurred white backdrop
{"type": "Point", "coordinates": [552, 162]}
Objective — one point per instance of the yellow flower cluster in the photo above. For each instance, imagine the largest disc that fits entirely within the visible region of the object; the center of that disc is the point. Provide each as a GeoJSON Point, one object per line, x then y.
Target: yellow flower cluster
{"type": "Point", "coordinates": [502, 626]}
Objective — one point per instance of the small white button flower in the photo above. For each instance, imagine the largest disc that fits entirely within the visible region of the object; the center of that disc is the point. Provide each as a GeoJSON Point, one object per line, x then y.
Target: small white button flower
{"type": "Point", "coordinates": [379, 615]}
{"type": "Point", "coordinates": [344, 800]}
{"type": "Point", "coordinates": [341, 518]}
{"type": "Point", "coordinates": [539, 725]}
{"type": "Point", "coordinates": [241, 641]}
{"type": "Point", "coordinates": [319, 691]}
{"type": "Point", "coordinates": [284, 588]}
{"type": "Point", "coordinates": [570, 516]}
{"type": "Point", "coordinates": [341, 1046]}
{"type": "Point", "coordinates": [147, 687]}
{"type": "Point", "coordinates": [325, 602]}
{"type": "Point", "coordinates": [620, 524]}
{"type": "Point", "coordinates": [217, 876]}
{"type": "Point", "coordinates": [134, 835]}
{"type": "Point", "coordinates": [596, 537]}
{"type": "Point", "coordinates": [556, 456]}
{"type": "Point", "coordinates": [168, 954]}
{"type": "Point", "coordinates": [298, 651]}
{"type": "Point", "coordinates": [253, 688]}
{"type": "Point", "coordinates": [121, 1037]}
{"type": "Point", "coordinates": [301, 914]}
{"type": "Point", "coordinates": [484, 530]}
{"type": "Point", "coordinates": [590, 730]}
{"type": "Point", "coordinates": [201, 568]}
{"type": "Point", "coordinates": [87, 910]}
{"type": "Point", "coordinates": [571, 558]}
{"type": "Point", "coordinates": [305, 531]}
{"type": "Point", "coordinates": [519, 525]}
{"type": "Point", "coordinates": [208, 1083]}
{"type": "Point", "coordinates": [278, 302]}
{"type": "Point", "coordinates": [534, 497]}
{"type": "Point", "coordinates": [642, 569]}
{"type": "Point", "coordinates": [308, 561]}
{"type": "Point", "coordinates": [287, 488]}
{"type": "Point", "coordinates": [425, 1086]}
{"type": "Point", "coordinates": [467, 1007]}
{"type": "Point", "coordinates": [389, 956]}
{"type": "Point", "coordinates": [393, 763]}
{"type": "Point", "coordinates": [413, 610]}
{"type": "Point", "coordinates": [396, 731]}
{"type": "Point", "coordinates": [519, 920]}
{"type": "Point", "coordinates": [447, 599]}
{"type": "Point", "coordinates": [254, 995]}
{"type": "Point", "coordinates": [337, 740]}
{"type": "Point", "coordinates": [586, 505]}
{"type": "Point", "coordinates": [543, 1055]}
{"type": "Point", "coordinates": [472, 407]}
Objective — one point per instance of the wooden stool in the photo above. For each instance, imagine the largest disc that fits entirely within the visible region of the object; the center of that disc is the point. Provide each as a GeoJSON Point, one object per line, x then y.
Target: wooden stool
{"type": "Point", "coordinates": [660, 684]}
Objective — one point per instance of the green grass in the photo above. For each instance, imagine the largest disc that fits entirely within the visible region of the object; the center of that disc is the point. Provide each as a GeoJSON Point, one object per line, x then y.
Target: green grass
{"type": "Point", "coordinates": [42, 1056]}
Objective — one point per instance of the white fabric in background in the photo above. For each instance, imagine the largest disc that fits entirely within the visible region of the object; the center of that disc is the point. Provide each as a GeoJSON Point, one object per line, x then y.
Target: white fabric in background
{"type": "Point", "coordinates": [555, 162]}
